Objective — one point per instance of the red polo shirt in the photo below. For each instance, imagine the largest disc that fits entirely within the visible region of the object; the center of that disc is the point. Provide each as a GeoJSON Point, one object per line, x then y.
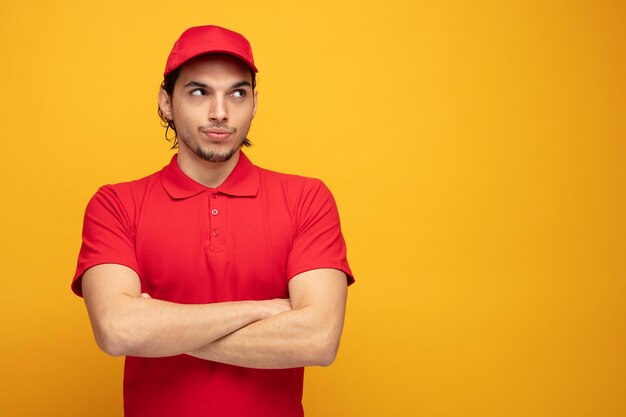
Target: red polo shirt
{"type": "Point", "coordinates": [189, 243]}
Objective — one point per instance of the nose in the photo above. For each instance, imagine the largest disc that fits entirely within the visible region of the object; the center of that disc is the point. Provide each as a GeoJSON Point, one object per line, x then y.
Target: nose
{"type": "Point", "coordinates": [218, 111]}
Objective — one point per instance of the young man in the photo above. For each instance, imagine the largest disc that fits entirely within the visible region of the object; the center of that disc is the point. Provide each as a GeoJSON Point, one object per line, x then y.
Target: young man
{"type": "Point", "coordinates": [218, 280]}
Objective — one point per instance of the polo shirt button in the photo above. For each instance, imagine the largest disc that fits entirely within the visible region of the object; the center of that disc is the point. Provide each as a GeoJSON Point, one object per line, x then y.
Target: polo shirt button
{"type": "Point", "coordinates": [214, 212]}
{"type": "Point", "coordinates": [214, 195]}
{"type": "Point", "coordinates": [216, 232]}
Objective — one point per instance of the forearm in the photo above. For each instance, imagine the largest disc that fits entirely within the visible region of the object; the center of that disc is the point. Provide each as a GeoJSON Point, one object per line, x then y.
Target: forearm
{"type": "Point", "coordinates": [154, 328]}
{"type": "Point", "coordinates": [125, 322]}
{"type": "Point", "coordinates": [306, 335]}
{"type": "Point", "coordinates": [291, 339]}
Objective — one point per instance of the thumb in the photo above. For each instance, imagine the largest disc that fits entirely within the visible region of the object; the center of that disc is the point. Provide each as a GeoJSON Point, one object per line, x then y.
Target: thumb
{"type": "Point", "coordinates": [145, 295]}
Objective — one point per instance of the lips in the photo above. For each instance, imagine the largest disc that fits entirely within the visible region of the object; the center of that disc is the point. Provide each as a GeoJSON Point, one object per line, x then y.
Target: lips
{"type": "Point", "coordinates": [218, 134]}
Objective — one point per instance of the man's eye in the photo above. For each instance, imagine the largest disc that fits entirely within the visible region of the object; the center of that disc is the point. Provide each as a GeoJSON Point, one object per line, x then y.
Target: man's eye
{"type": "Point", "coordinates": [239, 93]}
{"type": "Point", "coordinates": [198, 92]}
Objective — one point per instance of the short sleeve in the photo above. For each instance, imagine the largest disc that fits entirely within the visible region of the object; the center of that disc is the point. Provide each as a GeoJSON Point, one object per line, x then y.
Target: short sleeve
{"type": "Point", "coordinates": [319, 242]}
{"type": "Point", "coordinates": [108, 235]}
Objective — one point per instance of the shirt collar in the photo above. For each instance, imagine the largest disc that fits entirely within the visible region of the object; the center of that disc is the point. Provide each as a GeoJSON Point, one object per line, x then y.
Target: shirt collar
{"type": "Point", "coordinates": [242, 182]}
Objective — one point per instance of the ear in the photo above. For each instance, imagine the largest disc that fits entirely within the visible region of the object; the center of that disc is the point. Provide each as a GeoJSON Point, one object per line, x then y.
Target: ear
{"type": "Point", "coordinates": [255, 97]}
{"type": "Point", "coordinates": [165, 104]}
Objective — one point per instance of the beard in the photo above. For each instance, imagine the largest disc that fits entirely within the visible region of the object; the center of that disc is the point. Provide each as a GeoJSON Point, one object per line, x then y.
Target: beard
{"type": "Point", "coordinates": [207, 154]}
{"type": "Point", "coordinates": [214, 156]}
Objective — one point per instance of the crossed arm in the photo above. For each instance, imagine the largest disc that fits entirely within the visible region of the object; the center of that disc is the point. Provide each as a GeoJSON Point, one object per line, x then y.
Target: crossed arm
{"type": "Point", "coordinates": [304, 330]}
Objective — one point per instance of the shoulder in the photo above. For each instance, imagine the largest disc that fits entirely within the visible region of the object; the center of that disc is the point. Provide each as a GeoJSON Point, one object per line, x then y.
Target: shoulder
{"type": "Point", "coordinates": [303, 195]}
{"type": "Point", "coordinates": [124, 196]}
{"type": "Point", "coordinates": [295, 185]}
{"type": "Point", "coordinates": [128, 188]}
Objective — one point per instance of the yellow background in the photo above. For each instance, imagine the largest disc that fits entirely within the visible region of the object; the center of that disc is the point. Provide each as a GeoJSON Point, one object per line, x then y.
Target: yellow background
{"type": "Point", "coordinates": [476, 151]}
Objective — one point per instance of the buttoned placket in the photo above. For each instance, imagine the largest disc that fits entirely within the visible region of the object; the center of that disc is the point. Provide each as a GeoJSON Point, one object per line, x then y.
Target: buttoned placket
{"type": "Point", "coordinates": [217, 202]}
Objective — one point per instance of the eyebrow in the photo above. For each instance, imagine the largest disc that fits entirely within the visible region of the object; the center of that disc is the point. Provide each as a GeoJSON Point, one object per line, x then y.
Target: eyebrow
{"type": "Point", "coordinates": [203, 85]}
{"type": "Point", "coordinates": [241, 84]}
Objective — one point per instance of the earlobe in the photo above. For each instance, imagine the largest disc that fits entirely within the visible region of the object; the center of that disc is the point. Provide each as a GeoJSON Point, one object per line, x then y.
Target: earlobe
{"type": "Point", "coordinates": [165, 104]}
{"type": "Point", "coordinates": [255, 104]}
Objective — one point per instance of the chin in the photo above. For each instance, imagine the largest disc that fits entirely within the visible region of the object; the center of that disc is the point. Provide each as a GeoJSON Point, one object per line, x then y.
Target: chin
{"type": "Point", "coordinates": [212, 155]}
{"type": "Point", "coordinates": [211, 152]}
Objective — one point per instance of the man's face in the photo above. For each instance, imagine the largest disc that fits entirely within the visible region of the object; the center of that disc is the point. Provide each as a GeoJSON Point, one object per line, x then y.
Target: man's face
{"type": "Point", "coordinates": [212, 106]}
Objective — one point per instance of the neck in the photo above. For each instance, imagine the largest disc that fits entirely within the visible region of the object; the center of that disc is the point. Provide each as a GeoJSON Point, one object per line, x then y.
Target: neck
{"type": "Point", "coordinates": [209, 174]}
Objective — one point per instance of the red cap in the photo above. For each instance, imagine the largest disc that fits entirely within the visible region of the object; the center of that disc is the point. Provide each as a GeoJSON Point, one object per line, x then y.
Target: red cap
{"type": "Point", "coordinates": [201, 40]}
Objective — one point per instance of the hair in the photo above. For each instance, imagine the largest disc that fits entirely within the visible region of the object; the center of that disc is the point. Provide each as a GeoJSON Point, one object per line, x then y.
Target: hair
{"type": "Point", "coordinates": [168, 86]}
